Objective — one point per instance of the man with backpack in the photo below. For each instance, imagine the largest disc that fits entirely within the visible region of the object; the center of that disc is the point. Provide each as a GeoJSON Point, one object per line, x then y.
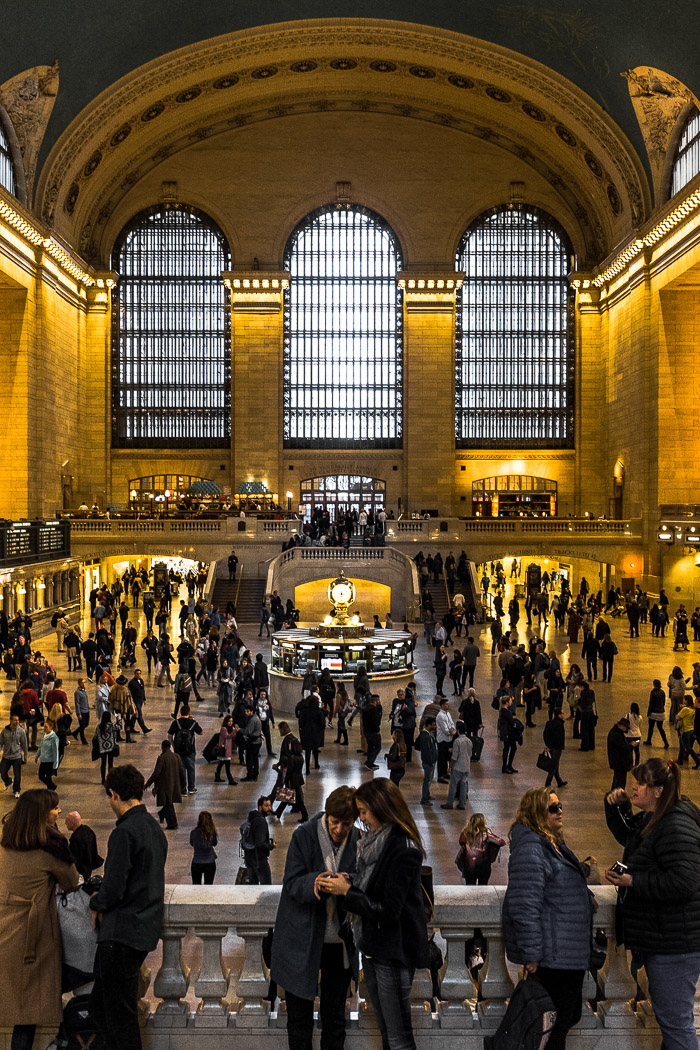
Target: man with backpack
{"type": "Point", "coordinates": [258, 844]}
{"type": "Point", "coordinates": [181, 735]}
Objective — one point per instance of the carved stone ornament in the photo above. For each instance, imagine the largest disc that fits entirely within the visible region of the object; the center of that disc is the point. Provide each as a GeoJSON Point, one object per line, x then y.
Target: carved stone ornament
{"type": "Point", "coordinates": [28, 99]}
{"type": "Point", "coordinates": [658, 101]}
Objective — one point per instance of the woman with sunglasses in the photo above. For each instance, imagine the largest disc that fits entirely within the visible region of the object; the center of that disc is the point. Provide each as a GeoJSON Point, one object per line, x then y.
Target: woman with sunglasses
{"type": "Point", "coordinates": [659, 892]}
{"type": "Point", "coordinates": [548, 908]}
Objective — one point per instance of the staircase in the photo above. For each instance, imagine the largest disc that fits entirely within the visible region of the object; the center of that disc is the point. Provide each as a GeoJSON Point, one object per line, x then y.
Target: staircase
{"type": "Point", "coordinates": [439, 594]}
{"type": "Point", "coordinates": [250, 596]}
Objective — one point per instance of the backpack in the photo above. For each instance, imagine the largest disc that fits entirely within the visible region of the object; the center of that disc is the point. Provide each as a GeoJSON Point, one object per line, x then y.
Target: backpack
{"type": "Point", "coordinates": [545, 660]}
{"type": "Point", "coordinates": [246, 841]}
{"type": "Point", "coordinates": [79, 1025]}
{"type": "Point", "coordinates": [54, 620]}
{"type": "Point", "coordinates": [528, 1020]}
{"type": "Point", "coordinates": [183, 744]}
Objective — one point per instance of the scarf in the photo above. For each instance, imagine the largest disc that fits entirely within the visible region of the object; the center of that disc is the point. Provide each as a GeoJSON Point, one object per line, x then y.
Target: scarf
{"type": "Point", "coordinates": [369, 850]}
{"type": "Point", "coordinates": [332, 856]}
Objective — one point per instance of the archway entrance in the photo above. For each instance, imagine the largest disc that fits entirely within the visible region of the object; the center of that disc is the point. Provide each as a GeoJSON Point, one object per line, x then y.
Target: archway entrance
{"type": "Point", "coordinates": [342, 492]}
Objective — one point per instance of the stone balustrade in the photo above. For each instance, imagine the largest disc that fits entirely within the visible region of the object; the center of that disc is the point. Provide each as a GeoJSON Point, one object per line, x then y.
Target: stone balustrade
{"type": "Point", "coordinates": [184, 1009]}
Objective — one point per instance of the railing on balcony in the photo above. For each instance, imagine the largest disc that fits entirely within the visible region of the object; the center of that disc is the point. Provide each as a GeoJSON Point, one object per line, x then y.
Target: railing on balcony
{"type": "Point", "coordinates": [335, 554]}
{"type": "Point", "coordinates": [218, 998]}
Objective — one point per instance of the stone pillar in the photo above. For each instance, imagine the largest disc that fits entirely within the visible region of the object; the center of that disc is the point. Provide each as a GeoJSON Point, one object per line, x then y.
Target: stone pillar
{"type": "Point", "coordinates": [94, 479]}
{"type": "Point", "coordinates": [428, 436]}
{"type": "Point", "coordinates": [256, 375]}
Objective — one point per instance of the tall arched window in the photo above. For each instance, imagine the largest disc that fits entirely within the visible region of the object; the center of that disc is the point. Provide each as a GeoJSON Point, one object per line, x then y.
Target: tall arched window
{"type": "Point", "coordinates": [7, 169]}
{"type": "Point", "coordinates": [686, 163]}
{"type": "Point", "coordinates": [343, 346]}
{"type": "Point", "coordinates": [171, 333]}
{"type": "Point", "coordinates": [514, 354]}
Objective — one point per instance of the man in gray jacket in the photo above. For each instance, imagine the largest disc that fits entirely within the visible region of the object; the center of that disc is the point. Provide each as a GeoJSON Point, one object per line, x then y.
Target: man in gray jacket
{"type": "Point", "coordinates": [307, 935]}
{"type": "Point", "coordinates": [13, 743]}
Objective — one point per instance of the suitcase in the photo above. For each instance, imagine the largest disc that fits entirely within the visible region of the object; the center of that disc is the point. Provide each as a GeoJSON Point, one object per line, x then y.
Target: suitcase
{"type": "Point", "coordinates": [477, 746]}
{"type": "Point", "coordinates": [210, 752]}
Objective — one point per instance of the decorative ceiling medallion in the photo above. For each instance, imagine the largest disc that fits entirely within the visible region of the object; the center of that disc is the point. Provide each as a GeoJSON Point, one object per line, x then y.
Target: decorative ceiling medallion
{"type": "Point", "coordinates": [264, 72]}
{"type": "Point", "coordinates": [72, 198]}
{"type": "Point", "coordinates": [533, 112]}
{"type": "Point", "coordinates": [593, 164]}
{"type": "Point", "coordinates": [614, 198]}
{"type": "Point", "coordinates": [188, 95]}
{"type": "Point", "coordinates": [497, 95]}
{"type": "Point", "coordinates": [119, 136]}
{"type": "Point", "coordinates": [225, 82]}
{"type": "Point", "coordinates": [423, 72]}
{"type": "Point", "coordinates": [566, 136]}
{"type": "Point", "coordinates": [93, 164]}
{"type": "Point", "coordinates": [383, 67]}
{"type": "Point", "coordinates": [303, 67]}
{"type": "Point", "coordinates": [460, 82]}
{"type": "Point", "coordinates": [152, 112]}
{"type": "Point", "coordinates": [343, 63]}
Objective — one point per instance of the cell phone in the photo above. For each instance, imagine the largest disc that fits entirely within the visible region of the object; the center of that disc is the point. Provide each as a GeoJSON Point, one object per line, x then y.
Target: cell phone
{"type": "Point", "coordinates": [619, 868]}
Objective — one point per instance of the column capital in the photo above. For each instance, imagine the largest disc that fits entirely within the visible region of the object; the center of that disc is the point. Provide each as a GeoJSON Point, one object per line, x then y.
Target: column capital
{"type": "Point", "coordinates": [256, 289]}
{"type": "Point", "coordinates": [98, 294]}
{"type": "Point", "coordinates": [430, 282]}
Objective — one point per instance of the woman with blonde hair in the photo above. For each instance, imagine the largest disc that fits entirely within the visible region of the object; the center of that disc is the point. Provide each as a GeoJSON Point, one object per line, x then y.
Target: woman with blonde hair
{"type": "Point", "coordinates": [385, 900]}
{"type": "Point", "coordinates": [31, 864]}
{"type": "Point", "coordinates": [479, 848]}
{"type": "Point", "coordinates": [548, 908]}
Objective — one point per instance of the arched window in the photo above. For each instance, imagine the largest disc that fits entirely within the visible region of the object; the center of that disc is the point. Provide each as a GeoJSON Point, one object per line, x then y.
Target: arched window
{"type": "Point", "coordinates": [514, 354]}
{"type": "Point", "coordinates": [7, 169]}
{"type": "Point", "coordinates": [171, 333]}
{"type": "Point", "coordinates": [686, 163]}
{"type": "Point", "coordinates": [343, 346]}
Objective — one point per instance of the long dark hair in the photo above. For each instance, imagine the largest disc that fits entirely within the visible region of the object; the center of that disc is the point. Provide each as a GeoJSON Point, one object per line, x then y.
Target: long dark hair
{"type": "Point", "coordinates": [389, 806]}
{"type": "Point", "coordinates": [24, 827]}
{"type": "Point", "coordinates": [205, 826]}
{"type": "Point", "coordinates": [657, 772]}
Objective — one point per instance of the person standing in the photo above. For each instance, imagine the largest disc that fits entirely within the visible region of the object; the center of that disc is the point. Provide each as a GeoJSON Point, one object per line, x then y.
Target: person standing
{"type": "Point", "coordinates": [371, 716]}
{"type": "Point", "coordinates": [81, 704]}
{"type": "Point", "coordinates": [479, 847]}
{"type": "Point", "coordinates": [470, 655]}
{"type": "Point", "coordinates": [137, 689]}
{"type": "Point", "coordinates": [263, 709]}
{"type": "Point", "coordinates": [461, 753]}
{"type": "Point", "coordinates": [182, 737]}
{"type": "Point", "coordinates": [608, 652]}
{"type": "Point", "coordinates": [385, 900]}
{"type": "Point", "coordinates": [445, 732]}
{"type": "Point", "coordinates": [508, 734]}
{"type": "Point", "coordinates": [686, 733]}
{"type": "Point", "coordinates": [548, 909]}
{"type": "Point", "coordinates": [309, 712]}
{"type": "Point", "coordinates": [252, 734]}
{"type": "Point", "coordinates": [427, 745]}
{"type": "Point", "coordinates": [227, 737]}
{"type": "Point", "coordinates": [257, 858]}
{"type": "Point", "coordinates": [128, 909]}
{"type": "Point", "coordinates": [554, 738]}
{"type": "Point", "coordinates": [591, 651]}
{"type": "Point", "coordinates": [440, 668]}
{"type": "Point", "coordinates": [167, 777]}
{"type": "Point", "coordinates": [656, 712]}
{"type": "Point", "coordinates": [659, 899]}
{"type": "Point", "coordinates": [589, 718]}
{"type": "Point", "coordinates": [307, 939]}
{"type": "Point", "coordinates": [620, 750]}
{"type": "Point", "coordinates": [396, 757]}
{"type": "Point", "coordinates": [13, 744]}
{"type": "Point", "coordinates": [31, 866]}
{"type": "Point", "coordinates": [83, 846]}
{"type": "Point", "coordinates": [203, 840]}
{"type": "Point", "coordinates": [232, 563]}
{"type": "Point", "coordinates": [105, 743]}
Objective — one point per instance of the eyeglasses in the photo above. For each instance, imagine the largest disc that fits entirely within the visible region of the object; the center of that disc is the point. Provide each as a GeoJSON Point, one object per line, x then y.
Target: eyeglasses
{"type": "Point", "coordinates": [555, 807]}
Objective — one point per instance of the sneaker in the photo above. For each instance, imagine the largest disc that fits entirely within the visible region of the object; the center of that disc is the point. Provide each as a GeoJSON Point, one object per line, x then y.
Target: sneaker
{"type": "Point", "coordinates": [16, 794]}
{"type": "Point", "coordinates": [7, 787]}
{"type": "Point", "coordinates": [193, 791]}
{"type": "Point", "coordinates": [425, 802]}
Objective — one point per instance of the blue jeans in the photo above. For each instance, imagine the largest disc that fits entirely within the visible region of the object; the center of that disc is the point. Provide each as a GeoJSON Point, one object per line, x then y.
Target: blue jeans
{"type": "Point", "coordinates": [672, 983]}
{"type": "Point", "coordinates": [459, 787]}
{"type": "Point", "coordinates": [389, 988]}
{"type": "Point", "coordinates": [428, 773]}
{"type": "Point", "coordinates": [188, 763]}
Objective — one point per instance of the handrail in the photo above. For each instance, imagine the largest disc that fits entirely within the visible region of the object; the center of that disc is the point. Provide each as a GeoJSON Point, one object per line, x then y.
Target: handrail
{"type": "Point", "coordinates": [238, 586]}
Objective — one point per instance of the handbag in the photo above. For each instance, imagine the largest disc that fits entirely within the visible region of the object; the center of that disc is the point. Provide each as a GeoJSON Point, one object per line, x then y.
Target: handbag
{"type": "Point", "coordinates": [545, 762]}
{"type": "Point", "coordinates": [286, 795]}
{"type": "Point", "coordinates": [115, 751]}
{"type": "Point", "coordinates": [242, 876]}
{"type": "Point", "coordinates": [95, 748]}
{"type": "Point", "coordinates": [77, 935]}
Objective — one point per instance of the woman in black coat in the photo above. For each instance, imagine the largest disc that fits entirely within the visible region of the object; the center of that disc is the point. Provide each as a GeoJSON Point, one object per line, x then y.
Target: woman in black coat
{"type": "Point", "coordinates": [659, 893]}
{"type": "Point", "coordinates": [312, 723]}
{"type": "Point", "coordinates": [385, 899]}
{"type": "Point", "coordinates": [293, 777]}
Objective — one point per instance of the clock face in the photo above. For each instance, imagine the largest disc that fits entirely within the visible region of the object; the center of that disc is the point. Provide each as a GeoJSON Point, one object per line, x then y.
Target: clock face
{"type": "Point", "coordinates": [342, 593]}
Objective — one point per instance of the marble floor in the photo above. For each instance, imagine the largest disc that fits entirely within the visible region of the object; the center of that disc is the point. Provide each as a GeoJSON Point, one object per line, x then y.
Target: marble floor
{"type": "Point", "coordinates": [495, 795]}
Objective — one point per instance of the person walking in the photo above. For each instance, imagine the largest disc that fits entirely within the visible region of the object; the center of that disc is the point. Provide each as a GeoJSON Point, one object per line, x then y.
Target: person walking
{"type": "Point", "coordinates": [47, 755]}
{"type": "Point", "coordinates": [396, 757]}
{"type": "Point", "coordinates": [307, 941]}
{"type": "Point", "coordinates": [292, 763]}
{"type": "Point", "coordinates": [656, 712]}
{"type": "Point", "coordinates": [547, 913]}
{"type": "Point", "coordinates": [470, 656]}
{"type": "Point", "coordinates": [128, 910]}
{"type": "Point", "coordinates": [181, 734]}
{"type": "Point", "coordinates": [137, 689]}
{"type": "Point", "coordinates": [659, 893]}
{"type": "Point", "coordinates": [104, 744]}
{"type": "Point", "coordinates": [81, 704]}
{"type": "Point", "coordinates": [32, 864]}
{"type": "Point", "coordinates": [385, 900]}
{"type": "Point", "coordinates": [460, 757]}
{"type": "Point", "coordinates": [685, 723]}
{"type": "Point", "coordinates": [608, 652]}
{"type": "Point", "coordinates": [509, 734]}
{"type": "Point", "coordinates": [440, 668]}
{"type": "Point", "coordinates": [554, 738]}
{"type": "Point", "coordinates": [478, 849]}
{"type": "Point", "coordinates": [13, 745]}
{"type": "Point", "coordinates": [427, 745]}
{"type": "Point", "coordinates": [203, 840]}
{"type": "Point", "coordinates": [371, 716]}
{"type": "Point", "coordinates": [167, 777]}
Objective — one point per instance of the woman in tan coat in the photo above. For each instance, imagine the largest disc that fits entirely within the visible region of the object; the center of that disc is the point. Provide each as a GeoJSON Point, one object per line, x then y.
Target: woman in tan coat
{"type": "Point", "coordinates": [167, 778]}
{"type": "Point", "coordinates": [30, 938]}
{"type": "Point", "coordinates": [122, 704]}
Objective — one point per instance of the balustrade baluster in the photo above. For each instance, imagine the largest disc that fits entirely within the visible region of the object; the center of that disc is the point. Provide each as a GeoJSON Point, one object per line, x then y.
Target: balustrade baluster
{"type": "Point", "coordinates": [212, 984]}
{"type": "Point", "coordinates": [457, 986]}
{"type": "Point", "coordinates": [496, 985]}
{"type": "Point", "coordinates": [421, 996]}
{"type": "Point", "coordinates": [645, 1012]}
{"type": "Point", "coordinates": [252, 983]}
{"type": "Point", "coordinates": [619, 989]}
{"type": "Point", "coordinates": [170, 984]}
{"type": "Point", "coordinates": [589, 1018]}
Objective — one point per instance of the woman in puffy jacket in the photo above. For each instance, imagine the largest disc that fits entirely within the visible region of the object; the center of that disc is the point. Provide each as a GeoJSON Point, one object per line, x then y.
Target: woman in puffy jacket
{"type": "Point", "coordinates": [659, 894]}
{"type": "Point", "coordinates": [548, 908]}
